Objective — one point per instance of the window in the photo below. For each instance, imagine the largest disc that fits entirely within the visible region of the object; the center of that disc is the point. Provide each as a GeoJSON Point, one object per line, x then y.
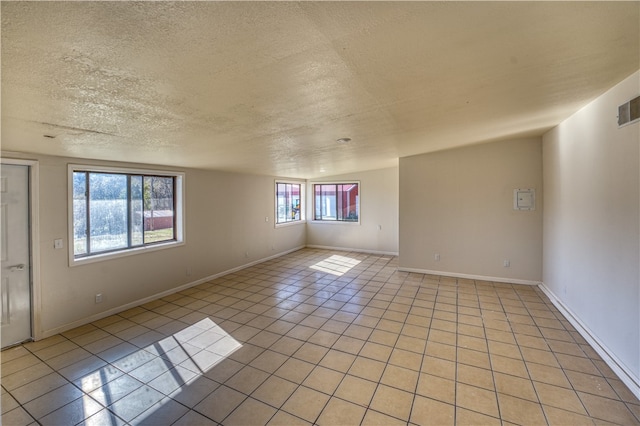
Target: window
{"type": "Point", "coordinates": [115, 210]}
{"type": "Point", "coordinates": [336, 201]}
{"type": "Point", "coordinates": [289, 202]}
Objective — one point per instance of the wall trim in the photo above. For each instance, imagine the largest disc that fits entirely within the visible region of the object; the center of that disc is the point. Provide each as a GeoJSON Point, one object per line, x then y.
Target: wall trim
{"type": "Point", "coordinates": [470, 276]}
{"type": "Point", "coordinates": [358, 250]}
{"type": "Point", "coordinates": [608, 356]}
{"type": "Point", "coordinates": [121, 308]}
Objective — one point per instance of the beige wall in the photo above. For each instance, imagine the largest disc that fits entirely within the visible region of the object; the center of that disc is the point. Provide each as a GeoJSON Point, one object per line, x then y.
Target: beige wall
{"type": "Point", "coordinates": [225, 217]}
{"type": "Point", "coordinates": [459, 204]}
{"type": "Point", "coordinates": [592, 223]}
{"type": "Point", "coordinates": [378, 228]}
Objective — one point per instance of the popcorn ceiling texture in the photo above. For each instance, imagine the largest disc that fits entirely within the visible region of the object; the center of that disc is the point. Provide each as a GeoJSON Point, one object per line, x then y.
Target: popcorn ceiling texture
{"type": "Point", "coordinates": [267, 87]}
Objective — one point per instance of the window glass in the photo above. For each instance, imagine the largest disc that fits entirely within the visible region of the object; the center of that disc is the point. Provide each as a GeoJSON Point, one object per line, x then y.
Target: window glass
{"type": "Point", "coordinates": [158, 209]}
{"type": "Point", "coordinates": [79, 213]}
{"type": "Point", "coordinates": [336, 202]}
{"type": "Point", "coordinates": [108, 223]}
{"type": "Point", "coordinates": [118, 211]}
{"type": "Point", "coordinates": [288, 202]}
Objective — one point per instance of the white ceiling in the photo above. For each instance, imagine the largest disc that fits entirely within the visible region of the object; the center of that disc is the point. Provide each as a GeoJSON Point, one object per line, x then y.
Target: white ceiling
{"type": "Point", "coordinates": [268, 87]}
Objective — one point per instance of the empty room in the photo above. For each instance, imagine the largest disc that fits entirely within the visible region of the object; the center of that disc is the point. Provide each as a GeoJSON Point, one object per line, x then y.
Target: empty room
{"type": "Point", "coordinates": [332, 213]}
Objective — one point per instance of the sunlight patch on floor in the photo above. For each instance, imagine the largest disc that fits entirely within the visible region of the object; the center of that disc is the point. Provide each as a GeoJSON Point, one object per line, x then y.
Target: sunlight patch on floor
{"type": "Point", "coordinates": [197, 349]}
{"type": "Point", "coordinates": [336, 265]}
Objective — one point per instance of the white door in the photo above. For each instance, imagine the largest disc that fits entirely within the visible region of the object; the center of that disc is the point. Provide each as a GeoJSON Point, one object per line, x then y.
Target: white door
{"type": "Point", "coordinates": [15, 253]}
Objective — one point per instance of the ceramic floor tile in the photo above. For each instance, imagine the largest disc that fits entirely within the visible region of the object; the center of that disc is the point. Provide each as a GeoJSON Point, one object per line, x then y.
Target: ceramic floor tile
{"type": "Point", "coordinates": [475, 376]}
{"type": "Point", "coordinates": [477, 399]}
{"type": "Point", "coordinates": [53, 400]}
{"type": "Point", "coordinates": [593, 384]}
{"type": "Point", "coordinates": [559, 397]}
{"type": "Point", "coordinates": [194, 391]}
{"type": "Point", "coordinates": [17, 417]}
{"type": "Point", "coordinates": [556, 416]}
{"type": "Point", "coordinates": [247, 380]}
{"type": "Point", "coordinates": [18, 364]}
{"type": "Point", "coordinates": [306, 403]}
{"type": "Point", "coordinates": [429, 411]}
{"type": "Point", "coordinates": [72, 413]}
{"type": "Point", "coordinates": [510, 366]}
{"type": "Point", "coordinates": [274, 391]}
{"type": "Point", "coordinates": [250, 412]}
{"type": "Point", "coordinates": [356, 390]}
{"type": "Point", "coordinates": [406, 359]}
{"type": "Point", "coordinates": [394, 402]}
{"type": "Point", "coordinates": [437, 388]}
{"type": "Point", "coordinates": [376, 418]}
{"type": "Point", "coordinates": [323, 379]}
{"type": "Point", "coordinates": [194, 418]}
{"type": "Point", "coordinates": [296, 346]}
{"type": "Point", "coordinates": [520, 411]}
{"type": "Point", "coordinates": [294, 370]}
{"type": "Point", "coordinates": [37, 388]}
{"type": "Point", "coordinates": [220, 403]}
{"type": "Point", "coordinates": [340, 412]}
{"type": "Point", "coordinates": [606, 409]}
{"type": "Point", "coordinates": [282, 418]}
{"type": "Point", "coordinates": [401, 378]}
{"type": "Point", "coordinates": [337, 360]}
{"type": "Point", "coordinates": [113, 391]}
{"type": "Point", "coordinates": [367, 368]}
{"type": "Point", "coordinates": [376, 351]}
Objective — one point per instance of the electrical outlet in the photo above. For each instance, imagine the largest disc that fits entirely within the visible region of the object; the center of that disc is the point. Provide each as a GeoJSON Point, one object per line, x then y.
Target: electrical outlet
{"type": "Point", "coordinates": [507, 263]}
{"type": "Point", "coordinates": [99, 298]}
{"type": "Point", "coordinates": [437, 257]}
{"type": "Point", "coordinates": [58, 244]}
{"type": "Point", "coordinates": [246, 254]}
{"type": "Point", "coordinates": [188, 271]}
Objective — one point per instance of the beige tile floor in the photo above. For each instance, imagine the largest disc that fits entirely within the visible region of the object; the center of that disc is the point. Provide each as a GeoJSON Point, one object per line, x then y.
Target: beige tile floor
{"type": "Point", "coordinates": [331, 338]}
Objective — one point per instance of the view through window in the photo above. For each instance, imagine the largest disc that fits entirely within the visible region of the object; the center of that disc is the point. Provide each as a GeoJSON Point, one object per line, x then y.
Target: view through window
{"type": "Point", "coordinates": [336, 201]}
{"type": "Point", "coordinates": [288, 202]}
{"type": "Point", "coordinates": [118, 211]}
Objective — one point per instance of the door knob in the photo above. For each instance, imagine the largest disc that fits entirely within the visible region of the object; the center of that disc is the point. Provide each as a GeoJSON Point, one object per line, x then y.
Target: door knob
{"type": "Point", "coordinates": [15, 268]}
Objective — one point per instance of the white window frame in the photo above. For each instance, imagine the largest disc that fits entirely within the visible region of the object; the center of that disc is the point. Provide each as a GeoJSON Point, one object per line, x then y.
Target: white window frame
{"type": "Point", "coordinates": [303, 203]}
{"type": "Point", "coordinates": [335, 222]}
{"type": "Point", "coordinates": [179, 213]}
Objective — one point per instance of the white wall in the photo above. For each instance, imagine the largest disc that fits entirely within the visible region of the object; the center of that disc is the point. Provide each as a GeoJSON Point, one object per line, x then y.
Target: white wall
{"type": "Point", "coordinates": [224, 217]}
{"type": "Point", "coordinates": [378, 208]}
{"type": "Point", "coordinates": [592, 223]}
{"type": "Point", "coordinates": [459, 204]}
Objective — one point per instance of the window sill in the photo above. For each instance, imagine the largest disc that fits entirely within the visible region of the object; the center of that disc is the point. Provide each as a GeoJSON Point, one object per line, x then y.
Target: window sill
{"type": "Point", "coordinates": [285, 224]}
{"type": "Point", "coordinates": [123, 253]}
{"type": "Point", "coordinates": [335, 222]}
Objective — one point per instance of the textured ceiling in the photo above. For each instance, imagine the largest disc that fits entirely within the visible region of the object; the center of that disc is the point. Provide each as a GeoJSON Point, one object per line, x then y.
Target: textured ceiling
{"type": "Point", "coordinates": [268, 87]}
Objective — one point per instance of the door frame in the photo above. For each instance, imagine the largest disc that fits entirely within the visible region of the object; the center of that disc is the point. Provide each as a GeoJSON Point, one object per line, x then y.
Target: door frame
{"type": "Point", "coordinates": [34, 239]}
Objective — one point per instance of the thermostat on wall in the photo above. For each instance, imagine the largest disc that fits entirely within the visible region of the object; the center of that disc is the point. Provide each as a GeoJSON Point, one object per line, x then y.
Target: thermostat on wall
{"type": "Point", "coordinates": [524, 199]}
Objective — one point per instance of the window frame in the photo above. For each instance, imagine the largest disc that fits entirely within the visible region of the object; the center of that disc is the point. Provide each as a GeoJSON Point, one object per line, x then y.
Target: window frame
{"type": "Point", "coordinates": [303, 203]}
{"type": "Point", "coordinates": [336, 221]}
{"type": "Point", "coordinates": [179, 203]}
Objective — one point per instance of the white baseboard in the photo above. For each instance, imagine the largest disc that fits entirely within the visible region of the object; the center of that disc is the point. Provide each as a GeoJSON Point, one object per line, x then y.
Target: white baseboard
{"type": "Point", "coordinates": [618, 367]}
{"type": "Point", "coordinates": [358, 250]}
{"type": "Point", "coordinates": [118, 309]}
{"type": "Point", "coordinates": [469, 276]}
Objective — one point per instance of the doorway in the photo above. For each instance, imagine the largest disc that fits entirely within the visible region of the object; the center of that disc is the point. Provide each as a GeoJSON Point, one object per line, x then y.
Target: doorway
{"type": "Point", "coordinates": [16, 277]}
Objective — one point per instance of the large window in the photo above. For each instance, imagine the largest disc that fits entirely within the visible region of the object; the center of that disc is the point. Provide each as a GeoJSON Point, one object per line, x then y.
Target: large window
{"type": "Point", "coordinates": [289, 202]}
{"type": "Point", "coordinates": [336, 201]}
{"type": "Point", "coordinates": [115, 210]}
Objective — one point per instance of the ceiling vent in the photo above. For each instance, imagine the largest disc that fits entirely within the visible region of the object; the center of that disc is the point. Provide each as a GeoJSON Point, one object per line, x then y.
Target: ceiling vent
{"type": "Point", "coordinates": [629, 112]}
